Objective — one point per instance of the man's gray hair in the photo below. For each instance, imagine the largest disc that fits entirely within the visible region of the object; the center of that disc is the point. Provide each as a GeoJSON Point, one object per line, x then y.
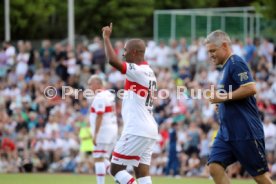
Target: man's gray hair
{"type": "Point", "coordinates": [95, 78]}
{"type": "Point", "coordinates": [218, 37]}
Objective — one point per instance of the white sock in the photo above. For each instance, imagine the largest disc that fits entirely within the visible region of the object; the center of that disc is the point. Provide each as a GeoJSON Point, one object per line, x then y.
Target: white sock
{"type": "Point", "coordinates": [100, 172]}
{"type": "Point", "coordinates": [123, 177]}
{"type": "Point", "coordinates": [107, 166]}
{"type": "Point", "coordinates": [145, 180]}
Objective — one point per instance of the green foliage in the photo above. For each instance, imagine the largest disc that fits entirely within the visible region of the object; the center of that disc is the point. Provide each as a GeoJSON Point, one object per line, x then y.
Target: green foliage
{"type": "Point", "coordinates": [32, 19]}
{"type": "Point", "coordinates": [268, 22]}
{"type": "Point", "coordinates": [37, 19]}
{"type": "Point", "coordinates": [127, 16]}
{"type": "Point", "coordinates": [266, 8]}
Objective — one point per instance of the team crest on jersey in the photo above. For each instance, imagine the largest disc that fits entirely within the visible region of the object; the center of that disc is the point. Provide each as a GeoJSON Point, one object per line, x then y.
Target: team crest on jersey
{"type": "Point", "coordinates": [131, 66]}
{"type": "Point", "coordinates": [243, 76]}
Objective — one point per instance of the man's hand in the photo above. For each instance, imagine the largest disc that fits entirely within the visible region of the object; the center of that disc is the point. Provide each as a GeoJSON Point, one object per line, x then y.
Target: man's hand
{"type": "Point", "coordinates": [217, 97]}
{"type": "Point", "coordinates": [107, 30]}
{"type": "Point", "coordinates": [111, 56]}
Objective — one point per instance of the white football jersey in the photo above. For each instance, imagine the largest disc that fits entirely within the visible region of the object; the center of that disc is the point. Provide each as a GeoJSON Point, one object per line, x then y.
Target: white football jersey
{"type": "Point", "coordinates": [137, 103]}
{"type": "Point", "coordinates": [104, 103]}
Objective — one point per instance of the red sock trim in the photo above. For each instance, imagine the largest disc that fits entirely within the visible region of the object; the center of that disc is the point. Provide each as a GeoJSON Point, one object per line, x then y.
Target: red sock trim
{"type": "Point", "coordinates": [100, 174]}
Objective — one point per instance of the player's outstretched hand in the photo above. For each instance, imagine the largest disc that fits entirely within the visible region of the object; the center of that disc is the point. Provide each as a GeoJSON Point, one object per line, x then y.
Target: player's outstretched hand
{"type": "Point", "coordinates": [107, 30]}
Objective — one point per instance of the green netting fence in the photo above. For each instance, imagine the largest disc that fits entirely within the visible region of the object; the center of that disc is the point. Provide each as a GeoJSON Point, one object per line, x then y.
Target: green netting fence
{"type": "Point", "coordinates": [237, 22]}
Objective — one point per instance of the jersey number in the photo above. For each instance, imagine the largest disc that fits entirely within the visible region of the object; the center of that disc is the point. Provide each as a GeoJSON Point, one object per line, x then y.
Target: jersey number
{"type": "Point", "coordinates": [151, 89]}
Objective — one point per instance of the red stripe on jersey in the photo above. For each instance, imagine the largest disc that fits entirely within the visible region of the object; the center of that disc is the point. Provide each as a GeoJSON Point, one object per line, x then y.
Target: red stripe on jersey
{"type": "Point", "coordinates": [127, 157]}
{"type": "Point", "coordinates": [106, 110]}
{"type": "Point", "coordinates": [131, 181]}
{"type": "Point", "coordinates": [136, 88]}
{"type": "Point", "coordinates": [124, 69]}
{"type": "Point", "coordinates": [99, 151]}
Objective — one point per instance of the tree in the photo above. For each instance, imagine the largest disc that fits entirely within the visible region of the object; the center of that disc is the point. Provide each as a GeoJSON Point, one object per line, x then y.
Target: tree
{"type": "Point", "coordinates": [30, 19]}
{"type": "Point", "coordinates": [266, 8]}
{"type": "Point", "coordinates": [127, 16]}
{"type": "Point", "coordinates": [37, 19]}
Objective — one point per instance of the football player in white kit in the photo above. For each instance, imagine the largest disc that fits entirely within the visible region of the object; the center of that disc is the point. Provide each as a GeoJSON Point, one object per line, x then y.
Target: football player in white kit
{"type": "Point", "coordinates": [140, 129]}
{"type": "Point", "coordinates": [104, 126]}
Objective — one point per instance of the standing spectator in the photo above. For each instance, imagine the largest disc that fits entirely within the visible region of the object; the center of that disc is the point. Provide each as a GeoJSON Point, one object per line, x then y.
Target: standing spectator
{"type": "Point", "coordinates": [237, 48]}
{"type": "Point", "coordinates": [162, 55]}
{"type": "Point", "coordinates": [249, 50]}
{"type": "Point", "coordinates": [22, 60]}
{"type": "Point", "coordinates": [3, 63]}
{"type": "Point", "coordinates": [46, 46]}
{"type": "Point", "coordinates": [193, 138]}
{"type": "Point", "coordinates": [182, 45]}
{"type": "Point", "coordinates": [173, 162]}
{"type": "Point", "coordinates": [173, 60]}
{"type": "Point", "coordinates": [72, 67]}
{"type": "Point", "coordinates": [86, 146]}
{"type": "Point", "coordinates": [32, 57]}
{"type": "Point", "coordinates": [150, 55]}
{"type": "Point", "coordinates": [266, 50]}
{"type": "Point", "coordinates": [202, 56]}
{"type": "Point", "coordinates": [119, 49]}
{"type": "Point", "coordinates": [95, 45]}
{"type": "Point", "coordinates": [60, 53]}
{"type": "Point", "coordinates": [99, 57]}
{"type": "Point", "coordinates": [10, 53]}
{"type": "Point", "coordinates": [85, 57]}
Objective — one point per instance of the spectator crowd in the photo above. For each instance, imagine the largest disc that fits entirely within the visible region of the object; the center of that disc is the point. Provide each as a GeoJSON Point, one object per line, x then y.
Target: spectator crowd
{"type": "Point", "coordinates": [43, 134]}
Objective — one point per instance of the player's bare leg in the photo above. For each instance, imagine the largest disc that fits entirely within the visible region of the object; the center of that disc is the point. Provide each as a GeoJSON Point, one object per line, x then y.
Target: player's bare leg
{"type": "Point", "coordinates": [142, 174]}
{"type": "Point", "coordinates": [121, 175]}
{"type": "Point", "coordinates": [218, 174]}
{"type": "Point", "coordinates": [263, 179]}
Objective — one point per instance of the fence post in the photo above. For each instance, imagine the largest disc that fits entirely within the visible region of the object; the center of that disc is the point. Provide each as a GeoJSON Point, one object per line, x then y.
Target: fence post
{"type": "Point", "coordinates": [193, 27]}
{"type": "Point", "coordinates": [155, 27]}
{"type": "Point", "coordinates": [245, 24]}
{"type": "Point", "coordinates": [173, 26]}
{"type": "Point", "coordinates": [209, 24]}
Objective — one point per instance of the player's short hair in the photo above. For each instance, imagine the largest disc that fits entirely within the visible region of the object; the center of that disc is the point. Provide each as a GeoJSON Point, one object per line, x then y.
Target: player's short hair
{"type": "Point", "coordinates": [218, 37]}
{"type": "Point", "coordinates": [137, 44]}
{"type": "Point", "coordinates": [95, 78]}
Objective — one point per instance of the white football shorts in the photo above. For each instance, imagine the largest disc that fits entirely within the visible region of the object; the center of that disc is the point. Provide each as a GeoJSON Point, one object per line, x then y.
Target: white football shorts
{"type": "Point", "coordinates": [102, 150]}
{"type": "Point", "coordinates": [132, 150]}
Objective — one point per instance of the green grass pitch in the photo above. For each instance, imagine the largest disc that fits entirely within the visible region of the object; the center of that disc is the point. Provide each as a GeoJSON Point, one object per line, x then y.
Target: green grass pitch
{"type": "Point", "coordinates": [87, 179]}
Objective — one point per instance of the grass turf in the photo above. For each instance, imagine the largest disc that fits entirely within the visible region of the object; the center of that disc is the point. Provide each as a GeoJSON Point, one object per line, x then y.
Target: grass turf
{"type": "Point", "coordinates": [87, 179]}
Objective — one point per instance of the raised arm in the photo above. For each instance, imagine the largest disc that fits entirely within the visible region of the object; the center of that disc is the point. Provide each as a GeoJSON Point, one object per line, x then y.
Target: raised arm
{"type": "Point", "coordinates": [109, 51]}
